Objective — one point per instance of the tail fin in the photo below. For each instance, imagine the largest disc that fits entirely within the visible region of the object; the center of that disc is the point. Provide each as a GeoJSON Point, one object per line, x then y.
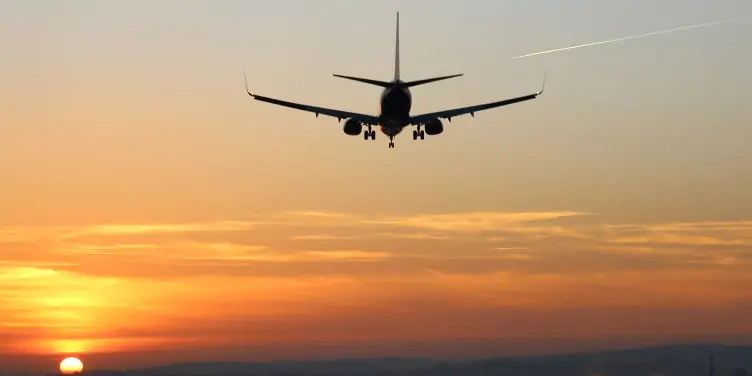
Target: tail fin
{"type": "Point", "coordinates": [396, 68]}
{"type": "Point", "coordinates": [396, 54]}
{"type": "Point", "coordinates": [397, 65]}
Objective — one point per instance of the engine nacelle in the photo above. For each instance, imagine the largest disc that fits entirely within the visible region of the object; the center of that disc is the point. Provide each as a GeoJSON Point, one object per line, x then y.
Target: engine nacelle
{"type": "Point", "coordinates": [352, 127]}
{"type": "Point", "coordinates": [434, 127]}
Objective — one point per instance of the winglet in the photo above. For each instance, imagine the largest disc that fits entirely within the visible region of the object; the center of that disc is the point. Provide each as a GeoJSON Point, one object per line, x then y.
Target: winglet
{"type": "Point", "coordinates": [544, 84]}
{"type": "Point", "coordinates": [246, 85]}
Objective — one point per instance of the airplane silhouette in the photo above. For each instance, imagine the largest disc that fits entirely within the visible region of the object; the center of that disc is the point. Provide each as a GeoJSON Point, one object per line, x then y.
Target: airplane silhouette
{"type": "Point", "coordinates": [396, 101]}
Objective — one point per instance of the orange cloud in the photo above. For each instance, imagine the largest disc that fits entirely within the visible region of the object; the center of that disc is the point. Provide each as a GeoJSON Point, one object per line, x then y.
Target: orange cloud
{"type": "Point", "coordinates": [322, 237]}
{"type": "Point", "coordinates": [481, 221]}
{"type": "Point", "coordinates": [430, 276]}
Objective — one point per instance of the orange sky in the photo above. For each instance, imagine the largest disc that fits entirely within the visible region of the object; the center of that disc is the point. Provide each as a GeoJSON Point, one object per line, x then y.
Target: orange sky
{"type": "Point", "coordinates": [299, 277]}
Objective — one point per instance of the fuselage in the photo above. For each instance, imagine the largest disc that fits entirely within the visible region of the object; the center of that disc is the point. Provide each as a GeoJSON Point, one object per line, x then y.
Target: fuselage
{"type": "Point", "coordinates": [396, 102]}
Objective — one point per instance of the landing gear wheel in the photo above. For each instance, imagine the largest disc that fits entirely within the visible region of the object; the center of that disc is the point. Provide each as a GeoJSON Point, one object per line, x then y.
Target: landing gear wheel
{"type": "Point", "coordinates": [391, 145]}
{"type": "Point", "coordinates": [415, 135]}
{"type": "Point", "coordinates": [366, 134]}
{"type": "Point", "coordinates": [373, 135]}
{"type": "Point", "coordinates": [422, 135]}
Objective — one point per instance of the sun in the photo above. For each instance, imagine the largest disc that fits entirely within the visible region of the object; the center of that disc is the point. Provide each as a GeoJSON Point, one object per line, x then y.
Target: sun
{"type": "Point", "coordinates": [70, 366]}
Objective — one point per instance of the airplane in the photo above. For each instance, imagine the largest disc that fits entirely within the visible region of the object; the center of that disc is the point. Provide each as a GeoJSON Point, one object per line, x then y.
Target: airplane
{"type": "Point", "coordinates": [395, 102]}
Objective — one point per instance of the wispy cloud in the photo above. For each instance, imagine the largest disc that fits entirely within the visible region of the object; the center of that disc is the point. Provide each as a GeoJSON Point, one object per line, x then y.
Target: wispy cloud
{"type": "Point", "coordinates": [348, 255]}
{"type": "Point", "coordinates": [274, 273]}
{"type": "Point", "coordinates": [112, 249]}
{"type": "Point", "coordinates": [480, 221]}
{"type": "Point", "coordinates": [547, 238]}
{"type": "Point", "coordinates": [319, 214]}
{"type": "Point", "coordinates": [140, 229]}
{"type": "Point", "coordinates": [40, 264]}
{"type": "Point", "coordinates": [414, 236]}
{"type": "Point", "coordinates": [323, 237]}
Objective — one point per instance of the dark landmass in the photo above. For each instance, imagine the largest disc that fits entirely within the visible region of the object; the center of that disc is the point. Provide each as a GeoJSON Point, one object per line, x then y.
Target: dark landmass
{"type": "Point", "coordinates": [672, 360]}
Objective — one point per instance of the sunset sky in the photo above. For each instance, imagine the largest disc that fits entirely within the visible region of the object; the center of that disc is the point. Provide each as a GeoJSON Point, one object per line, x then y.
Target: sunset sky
{"type": "Point", "coordinates": [149, 207]}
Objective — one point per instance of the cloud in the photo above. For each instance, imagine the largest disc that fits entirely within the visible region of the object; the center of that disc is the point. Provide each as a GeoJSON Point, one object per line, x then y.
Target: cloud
{"type": "Point", "coordinates": [261, 254]}
{"type": "Point", "coordinates": [323, 237]}
{"type": "Point", "coordinates": [699, 234]}
{"type": "Point", "coordinates": [414, 236]}
{"type": "Point", "coordinates": [39, 264]}
{"type": "Point", "coordinates": [319, 214]}
{"type": "Point", "coordinates": [111, 250]}
{"type": "Point", "coordinates": [469, 243]}
{"type": "Point", "coordinates": [22, 274]}
{"type": "Point", "coordinates": [479, 221]}
{"type": "Point", "coordinates": [145, 229]}
{"type": "Point", "coordinates": [347, 255]}
{"type": "Point", "coordinates": [332, 294]}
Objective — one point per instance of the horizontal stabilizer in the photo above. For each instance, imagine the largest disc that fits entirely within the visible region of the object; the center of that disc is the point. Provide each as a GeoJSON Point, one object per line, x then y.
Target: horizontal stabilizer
{"type": "Point", "coordinates": [365, 80]}
{"type": "Point", "coordinates": [429, 80]}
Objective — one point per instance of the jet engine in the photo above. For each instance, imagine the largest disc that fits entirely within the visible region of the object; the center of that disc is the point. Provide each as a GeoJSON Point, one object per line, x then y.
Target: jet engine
{"type": "Point", "coordinates": [352, 127]}
{"type": "Point", "coordinates": [434, 127]}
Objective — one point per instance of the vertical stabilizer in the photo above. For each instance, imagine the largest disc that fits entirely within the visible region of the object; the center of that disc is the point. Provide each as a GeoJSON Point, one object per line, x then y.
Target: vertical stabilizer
{"type": "Point", "coordinates": [396, 54]}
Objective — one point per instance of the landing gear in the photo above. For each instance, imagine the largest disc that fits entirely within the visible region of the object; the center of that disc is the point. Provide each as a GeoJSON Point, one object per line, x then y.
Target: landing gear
{"type": "Point", "coordinates": [369, 134]}
{"type": "Point", "coordinates": [419, 133]}
{"type": "Point", "coordinates": [391, 142]}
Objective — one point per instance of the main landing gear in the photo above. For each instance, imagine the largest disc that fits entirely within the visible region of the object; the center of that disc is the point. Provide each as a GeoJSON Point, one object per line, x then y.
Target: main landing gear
{"type": "Point", "coordinates": [370, 133]}
{"type": "Point", "coordinates": [420, 134]}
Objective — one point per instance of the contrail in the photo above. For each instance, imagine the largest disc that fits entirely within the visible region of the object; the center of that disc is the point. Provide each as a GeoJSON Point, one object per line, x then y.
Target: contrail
{"type": "Point", "coordinates": [624, 38]}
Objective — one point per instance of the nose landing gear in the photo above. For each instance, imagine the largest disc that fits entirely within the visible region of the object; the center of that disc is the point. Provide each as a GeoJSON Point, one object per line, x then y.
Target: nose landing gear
{"type": "Point", "coordinates": [391, 142]}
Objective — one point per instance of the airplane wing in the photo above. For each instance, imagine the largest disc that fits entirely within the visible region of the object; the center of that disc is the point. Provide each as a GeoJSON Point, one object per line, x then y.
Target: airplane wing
{"type": "Point", "coordinates": [449, 114]}
{"type": "Point", "coordinates": [366, 119]}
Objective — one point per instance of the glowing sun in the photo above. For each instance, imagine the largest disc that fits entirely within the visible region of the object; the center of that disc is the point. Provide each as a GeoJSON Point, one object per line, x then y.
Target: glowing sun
{"type": "Point", "coordinates": [70, 366]}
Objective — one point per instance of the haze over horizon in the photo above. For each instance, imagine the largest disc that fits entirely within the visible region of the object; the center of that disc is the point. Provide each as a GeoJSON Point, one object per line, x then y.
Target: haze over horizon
{"type": "Point", "coordinates": [148, 203]}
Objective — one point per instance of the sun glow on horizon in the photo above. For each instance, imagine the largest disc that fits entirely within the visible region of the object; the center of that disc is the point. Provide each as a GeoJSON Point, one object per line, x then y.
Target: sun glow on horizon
{"type": "Point", "coordinates": [71, 365]}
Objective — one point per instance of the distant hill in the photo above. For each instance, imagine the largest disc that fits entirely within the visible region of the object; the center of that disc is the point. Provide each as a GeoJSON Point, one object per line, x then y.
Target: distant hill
{"type": "Point", "coordinates": [673, 360]}
{"type": "Point", "coordinates": [281, 368]}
